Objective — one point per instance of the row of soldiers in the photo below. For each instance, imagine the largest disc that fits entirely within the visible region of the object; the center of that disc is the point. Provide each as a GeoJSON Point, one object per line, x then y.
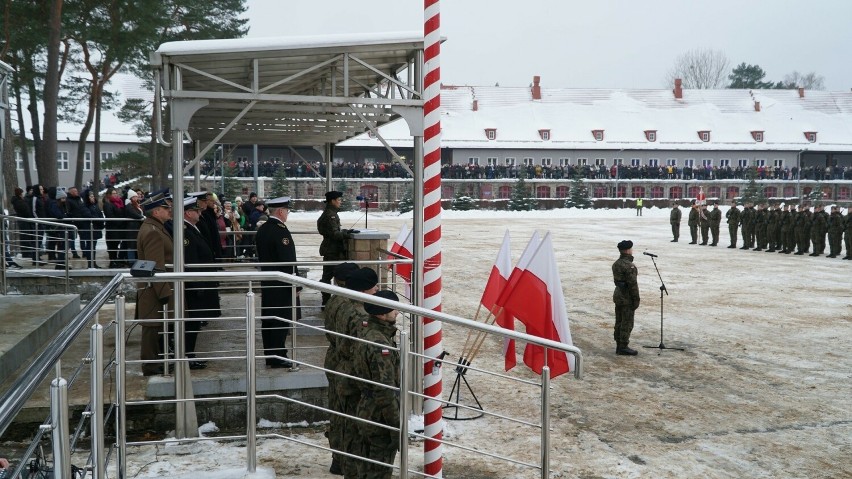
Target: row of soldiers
{"type": "Point", "coordinates": [773, 228]}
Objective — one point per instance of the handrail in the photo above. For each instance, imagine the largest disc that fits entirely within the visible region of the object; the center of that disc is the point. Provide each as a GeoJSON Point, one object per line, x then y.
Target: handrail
{"type": "Point", "coordinates": [19, 392]}
{"type": "Point", "coordinates": [369, 298]}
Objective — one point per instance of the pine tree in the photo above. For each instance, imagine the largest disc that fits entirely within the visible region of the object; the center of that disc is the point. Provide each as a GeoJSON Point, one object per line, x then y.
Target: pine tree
{"type": "Point", "coordinates": [464, 203]}
{"type": "Point", "coordinates": [520, 200]}
{"type": "Point", "coordinates": [406, 204]}
{"type": "Point", "coordinates": [280, 185]}
{"type": "Point", "coordinates": [579, 195]}
{"type": "Point", "coordinates": [231, 186]}
{"type": "Point", "coordinates": [346, 203]}
{"type": "Point", "coordinates": [753, 194]}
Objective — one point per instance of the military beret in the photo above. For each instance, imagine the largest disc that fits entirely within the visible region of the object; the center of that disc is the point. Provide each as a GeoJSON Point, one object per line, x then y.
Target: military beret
{"type": "Point", "coordinates": [344, 270]}
{"type": "Point", "coordinates": [375, 309]}
{"type": "Point", "coordinates": [282, 202]}
{"type": "Point", "coordinates": [333, 195]}
{"type": "Point", "coordinates": [362, 280]}
{"type": "Point", "coordinates": [625, 245]}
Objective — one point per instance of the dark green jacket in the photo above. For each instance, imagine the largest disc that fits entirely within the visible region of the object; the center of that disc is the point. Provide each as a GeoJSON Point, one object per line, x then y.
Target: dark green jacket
{"type": "Point", "coordinates": [333, 244]}
{"type": "Point", "coordinates": [733, 216]}
{"type": "Point", "coordinates": [624, 274]}
{"type": "Point", "coordinates": [380, 364]}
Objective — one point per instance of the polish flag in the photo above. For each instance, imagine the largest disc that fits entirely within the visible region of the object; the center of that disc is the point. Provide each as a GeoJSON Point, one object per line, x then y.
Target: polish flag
{"type": "Point", "coordinates": [497, 281]}
{"type": "Point", "coordinates": [536, 299]}
{"type": "Point", "coordinates": [403, 245]}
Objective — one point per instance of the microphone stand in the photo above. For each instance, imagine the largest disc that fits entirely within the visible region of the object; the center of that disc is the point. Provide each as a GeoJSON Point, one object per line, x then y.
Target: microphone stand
{"type": "Point", "coordinates": [663, 289]}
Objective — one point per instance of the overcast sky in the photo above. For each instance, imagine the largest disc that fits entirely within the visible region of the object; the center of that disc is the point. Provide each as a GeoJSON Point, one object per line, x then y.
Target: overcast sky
{"type": "Point", "coordinates": [591, 44]}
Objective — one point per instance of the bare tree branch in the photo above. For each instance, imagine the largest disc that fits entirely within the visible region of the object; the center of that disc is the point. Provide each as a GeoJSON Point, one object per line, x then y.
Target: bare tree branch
{"type": "Point", "coordinates": [700, 69]}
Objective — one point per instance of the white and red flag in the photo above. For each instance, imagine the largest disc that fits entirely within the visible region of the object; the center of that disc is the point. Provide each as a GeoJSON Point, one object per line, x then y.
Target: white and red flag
{"type": "Point", "coordinates": [403, 245]}
{"type": "Point", "coordinates": [534, 296]}
{"type": "Point", "coordinates": [497, 281]}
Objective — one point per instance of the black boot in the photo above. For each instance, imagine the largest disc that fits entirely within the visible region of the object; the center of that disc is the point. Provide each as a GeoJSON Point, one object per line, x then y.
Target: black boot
{"type": "Point", "coordinates": [625, 351]}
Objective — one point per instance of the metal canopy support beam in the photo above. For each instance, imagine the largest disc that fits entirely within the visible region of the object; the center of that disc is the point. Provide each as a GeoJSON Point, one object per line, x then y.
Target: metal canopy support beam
{"type": "Point", "coordinates": [218, 137]}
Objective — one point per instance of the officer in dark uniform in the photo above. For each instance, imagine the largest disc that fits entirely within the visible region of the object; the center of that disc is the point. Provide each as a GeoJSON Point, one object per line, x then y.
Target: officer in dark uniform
{"type": "Point", "coordinates": [333, 246]}
{"type": "Point", "coordinates": [625, 297]}
{"type": "Point", "coordinates": [202, 297]}
{"type": "Point", "coordinates": [207, 223]}
{"type": "Point", "coordinates": [275, 245]}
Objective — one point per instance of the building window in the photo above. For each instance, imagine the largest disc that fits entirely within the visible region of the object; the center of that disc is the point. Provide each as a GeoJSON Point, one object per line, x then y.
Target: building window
{"type": "Point", "coordinates": [564, 161]}
{"type": "Point", "coordinates": [504, 192]}
{"type": "Point", "coordinates": [714, 192]}
{"type": "Point", "coordinates": [19, 161]}
{"type": "Point", "coordinates": [546, 161]}
{"type": "Point", "coordinates": [704, 135]}
{"type": "Point", "coordinates": [770, 192]}
{"type": "Point", "coordinates": [617, 161]}
{"type": "Point", "coordinates": [743, 162]}
{"type": "Point", "coordinates": [491, 133]}
{"type": "Point", "coordinates": [600, 161]}
{"type": "Point", "coordinates": [733, 192]}
{"type": "Point", "coordinates": [528, 161]}
{"type": "Point", "coordinates": [651, 135]}
{"type": "Point", "coordinates": [473, 161]}
{"type": "Point", "coordinates": [761, 162]}
{"type": "Point", "coordinates": [843, 193]}
{"type": "Point", "coordinates": [676, 192]}
{"type": "Point", "coordinates": [635, 162]}
{"type": "Point", "coordinates": [562, 192]}
{"type": "Point", "coordinates": [582, 161]}
{"type": "Point", "coordinates": [689, 163]}
{"type": "Point", "coordinates": [810, 136]}
{"type": "Point", "coordinates": [707, 162]}
{"type": "Point", "coordinates": [542, 191]}
{"type": "Point", "coordinates": [106, 156]}
{"type": "Point", "coordinates": [778, 163]}
{"type": "Point", "coordinates": [638, 191]}
{"type": "Point", "coordinates": [653, 162]}
{"type": "Point", "coordinates": [510, 161]}
{"type": "Point", "coordinates": [724, 163]}
{"type": "Point", "coordinates": [242, 159]}
{"type": "Point", "coordinates": [600, 192]}
{"type": "Point", "coordinates": [657, 191]}
{"type": "Point", "coordinates": [492, 161]}
{"type": "Point", "coordinates": [671, 161]}
{"type": "Point", "coordinates": [545, 134]}
{"type": "Point", "coordinates": [447, 192]}
{"type": "Point", "coordinates": [757, 135]}
{"type": "Point", "coordinates": [485, 192]}
{"type": "Point", "coordinates": [598, 135]}
{"type": "Point", "coordinates": [87, 161]}
{"type": "Point", "coordinates": [62, 160]}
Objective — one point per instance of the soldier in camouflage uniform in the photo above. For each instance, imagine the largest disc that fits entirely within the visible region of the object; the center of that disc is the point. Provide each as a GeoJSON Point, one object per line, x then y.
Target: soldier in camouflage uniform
{"type": "Point", "coordinates": [625, 297]}
{"type": "Point", "coordinates": [748, 220]}
{"type": "Point", "coordinates": [344, 316]}
{"type": "Point", "coordinates": [819, 227]}
{"type": "Point", "coordinates": [773, 228]}
{"type": "Point", "coordinates": [848, 234]}
{"type": "Point", "coordinates": [378, 362]}
{"type": "Point", "coordinates": [733, 216]}
{"type": "Point", "coordinates": [334, 240]}
{"type": "Point", "coordinates": [803, 229]}
{"type": "Point", "coordinates": [332, 361]}
{"type": "Point", "coordinates": [760, 227]}
{"type": "Point", "coordinates": [674, 220]}
{"type": "Point", "coordinates": [788, 230]}
{"type": "Point", "coordinates": [835, 232]}
{"type": "Point", "coordinates": [692, 222]}
{"type": "Point", "coordinates": [704, 223]}
{"type": "Point", "coordinates": [715, 216]}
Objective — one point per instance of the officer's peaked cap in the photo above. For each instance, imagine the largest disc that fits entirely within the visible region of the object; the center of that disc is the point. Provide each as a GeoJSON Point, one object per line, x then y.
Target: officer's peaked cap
{"type": "Point", "coordinates": [282, 202]}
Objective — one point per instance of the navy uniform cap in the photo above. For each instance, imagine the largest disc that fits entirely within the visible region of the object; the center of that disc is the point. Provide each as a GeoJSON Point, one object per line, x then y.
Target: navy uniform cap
{"type": "Point", "coordinates": [625, 245]}
{"type": "Point", "coordinates": [190, 203]}
{"type": "Point", "coordinates": [201, 195]}
{"type": "Point", "coordinates": [333, 195]}
{"type": "Point", "coordinates": [282, 202]}
{"type": "Point", "coordinates": [376, 309]}
{"type": "Point", "coordinates": [161, 198]}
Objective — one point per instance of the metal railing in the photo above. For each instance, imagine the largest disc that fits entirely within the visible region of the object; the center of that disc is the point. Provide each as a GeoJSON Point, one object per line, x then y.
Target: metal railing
{"type": "Point", "coordinates": [14, 399]}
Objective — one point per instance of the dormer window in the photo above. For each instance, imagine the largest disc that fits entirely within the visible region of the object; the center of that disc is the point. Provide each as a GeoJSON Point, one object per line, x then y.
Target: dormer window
{"type": "Point", "coordinates": [598, 134]}
{"type": "Point", "coordinates": [811, 136]}
{"type": "Point", "coordinates": [757, 135]}
{"type": "Point", "coordinates": [704, 135]}
{"type": "Point", "coordinates": [651, 135]}
{"type": "Point", "coordinates": [491, 133]}
{"type": "Point", "coordinates": [544, 134]}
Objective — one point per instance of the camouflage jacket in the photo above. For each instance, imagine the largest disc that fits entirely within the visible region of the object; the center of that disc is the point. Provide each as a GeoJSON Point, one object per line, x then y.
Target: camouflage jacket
{"type": "Point", "coordinates": [748, 217]}
{"type": "Point", "coordinates": [715, 216]}
{"type": "Point", "coordinates": [343, 316]}
{"type": "Point", "coordinates": [819, 223]}
{"type": "Point", "coordinates": [803, 221]}
{"type": "Point", "coordinates": [379, 364]}
{"type": "Point", "coordinates": [693, 217]}
{"type": "Point", "coordinates": [674, 216]}
{"type": "Point", "coordinates": [835, 223]}
{"type": "Point", "coordinates": [733, 216]}
{"type": "Point", "coordinates": [849, 223]}
{"type": "Point", "coordinates": [333, 244]}
{"type": "Point", "coordinates": [624, 274]}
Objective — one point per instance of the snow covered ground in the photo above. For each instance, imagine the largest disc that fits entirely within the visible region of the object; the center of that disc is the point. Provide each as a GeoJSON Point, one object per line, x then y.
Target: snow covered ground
{"type": "Point", "coordinates": [762, 389]}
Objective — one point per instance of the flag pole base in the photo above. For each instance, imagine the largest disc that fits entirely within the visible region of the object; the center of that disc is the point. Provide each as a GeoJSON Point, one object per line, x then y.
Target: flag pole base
{"type": "Point", "coordinates": [460, 413]}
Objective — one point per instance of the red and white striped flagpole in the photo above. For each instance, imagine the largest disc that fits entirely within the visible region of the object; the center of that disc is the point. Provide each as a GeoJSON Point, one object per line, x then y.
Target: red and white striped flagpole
{"type": "Point", "coordinates": [432, 378]}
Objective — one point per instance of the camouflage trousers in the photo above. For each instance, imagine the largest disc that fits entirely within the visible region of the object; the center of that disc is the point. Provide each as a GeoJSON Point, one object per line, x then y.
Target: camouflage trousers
{"type": "Point", "coordinates": [835, 243]}
{"type": "Point", "coordinates": [789, 240]}
{"type": "Point", "coordinates": [818, 241]}
{"type": "Point", "coordinates": [802, 241]}
{"type": "Point", "coordinates": [377, 444]}
{"type": "Point", "coordinates": [848, 240]}
{"type": "Point", "coordinates": [762, 238]}
{"type": "Point", "coordinates": [623, 325]}
{"type": "Point", "coordinates": [732, 231]}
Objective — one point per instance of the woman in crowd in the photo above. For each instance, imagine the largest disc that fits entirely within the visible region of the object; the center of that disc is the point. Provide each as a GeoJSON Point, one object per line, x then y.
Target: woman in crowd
{"type": "Point", "coordinates": [113, 208]}
{"type": "Point", "coordinates": [89, 237]}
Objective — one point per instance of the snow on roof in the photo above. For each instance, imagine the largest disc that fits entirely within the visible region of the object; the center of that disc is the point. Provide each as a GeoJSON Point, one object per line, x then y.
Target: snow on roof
{"type": "Point", "coordinates": [571, 114]}
{"type": "Point", "coordinates": [253, 44]}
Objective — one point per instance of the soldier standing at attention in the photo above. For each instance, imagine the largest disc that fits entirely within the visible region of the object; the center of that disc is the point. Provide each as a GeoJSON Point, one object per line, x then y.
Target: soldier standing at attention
{"type": "Point", "coordinates": [733, 216]}
{"type": "Point", "coordinates": [760, 227]}
{"type": "Point", "coordinates": [835, 232]}
{"type": "Point", "coordinates": [674, 219]}
{"type": "Point", "coordinates": [747, 220]}
{"type": "Point", "coordinates": [773, 220]}
{"type": "Point", "coordinates": [788, 229]}
{"type": "Point", "coordinates": [803, 229]}
{"type": "Point", "coordinates": [819, 227]}
{"type": "Point", "coordinates": [704, 221]}
{"type": "Point", "coordinates": [379, 363]}
{"type": "Point", "coordinates": [692, 222]}
{"type": "Point", "coordinates": [333, 246]}
{"type": "Point", "coordinates": [345, 316]}
{"type": "Point", "coordinates": [332, 360]}
{"type": "Point", "coordinates": [275, 245]}
{"type": "Point", "coordinates": [715, 220]}
{"type": "Point", "coordinates": [848, 234]}
{"type": "Point", "coordinates": [202, 297]}
{"type": "Point", "coordinates": [154, 300]}
{"type": "Point", "coordinates": [625, 297]}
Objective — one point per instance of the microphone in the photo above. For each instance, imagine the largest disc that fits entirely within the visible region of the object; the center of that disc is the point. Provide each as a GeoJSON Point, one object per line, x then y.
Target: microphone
{"type": "Point", "coordinates": [649, 254]}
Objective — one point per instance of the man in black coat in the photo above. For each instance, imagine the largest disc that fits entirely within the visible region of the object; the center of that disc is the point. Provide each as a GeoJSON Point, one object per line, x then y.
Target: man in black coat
{"type": "Point", "coordinates": [274, 245]}
{"type": "Point", "coordinates": [207, 223]}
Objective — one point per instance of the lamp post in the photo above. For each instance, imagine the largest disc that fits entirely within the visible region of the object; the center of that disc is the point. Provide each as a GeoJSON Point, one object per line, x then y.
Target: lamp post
{"type": "Point", "coordinates": [799, 174]}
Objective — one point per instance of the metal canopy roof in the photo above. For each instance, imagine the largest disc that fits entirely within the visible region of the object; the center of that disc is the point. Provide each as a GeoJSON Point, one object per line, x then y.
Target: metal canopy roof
{"type": "Point", "coordinates": [290, 91]}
